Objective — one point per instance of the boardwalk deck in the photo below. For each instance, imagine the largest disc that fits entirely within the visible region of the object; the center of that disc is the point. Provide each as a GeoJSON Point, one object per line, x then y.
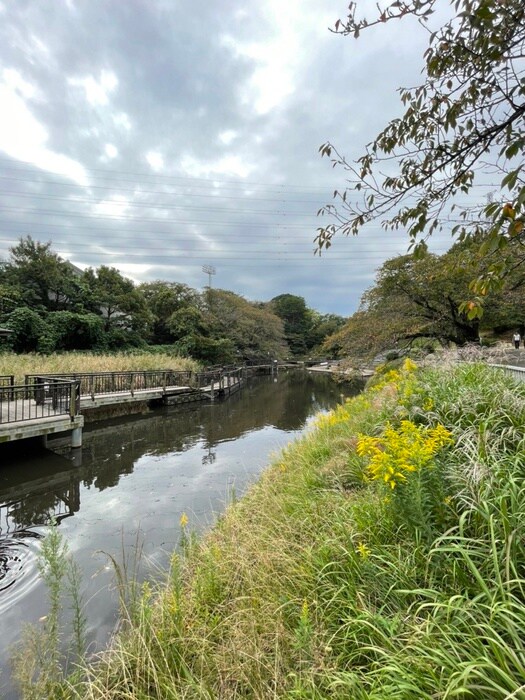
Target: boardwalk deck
{"type": "Point", "coordinates": [25, 417]}
{"type": "Point", "coordinates": [41, 426]}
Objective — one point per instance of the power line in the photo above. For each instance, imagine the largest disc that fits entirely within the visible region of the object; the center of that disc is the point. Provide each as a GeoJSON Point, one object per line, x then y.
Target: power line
{"type": "Point", "coordinates": [235, 253]}
{"type": "Point", "coordinates": [78, 200]}
{"type": "Point", "coordinates": [174, 237]}
{"type": "Point", "coordinates": [156, 222]}
{"type": "Point", "coordinates": [175, 179]}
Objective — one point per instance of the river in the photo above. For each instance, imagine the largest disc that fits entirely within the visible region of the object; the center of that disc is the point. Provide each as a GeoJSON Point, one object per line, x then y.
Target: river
{"type": "Point", "coordinates": [128, 487]}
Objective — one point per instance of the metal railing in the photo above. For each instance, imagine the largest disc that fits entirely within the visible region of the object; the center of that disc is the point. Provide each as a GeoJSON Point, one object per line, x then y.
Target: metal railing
{"type": "Point", "coordinates": [218, 379]}
{"type": "Point", "coordinates": [59, 394]}
{"type": "Point", "coordinates": [99, 383]}
{"type": "Point", "coordinates": [512, 370]}
{"type": "Point", "coordinates": [46, 397]}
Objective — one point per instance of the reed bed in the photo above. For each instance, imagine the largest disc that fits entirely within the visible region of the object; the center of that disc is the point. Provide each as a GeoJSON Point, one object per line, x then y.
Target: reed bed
{"type": "Point", "coordinates": [69, 363]}
{"type": "Point", "coordinates": [380, 557]}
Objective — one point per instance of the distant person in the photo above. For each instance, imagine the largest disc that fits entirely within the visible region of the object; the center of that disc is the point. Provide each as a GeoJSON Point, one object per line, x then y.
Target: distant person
{"type": "Point", "coordinates": [516, 338]}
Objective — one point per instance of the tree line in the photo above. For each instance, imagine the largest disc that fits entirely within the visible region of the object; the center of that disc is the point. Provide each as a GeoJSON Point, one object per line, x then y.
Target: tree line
{"type": "Point", "coordinates": [419, 300]}
{"type": "Point", "coordinates": [49, 305]}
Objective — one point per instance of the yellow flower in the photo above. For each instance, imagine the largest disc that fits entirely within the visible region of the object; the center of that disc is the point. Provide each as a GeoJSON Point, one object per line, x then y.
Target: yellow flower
{"type": "Point", "coordinates": [428, 404]}
{"type": "Point", "coordinates": [305, 612]}
{"type": "Point", "coordinates": [362, 550]}
{"type": "Point", "coordinates": [409, 365]}
{"type": "Point", "coordinates": [183, 520]}
{"type": "Point", "coordinates": [399, 452]}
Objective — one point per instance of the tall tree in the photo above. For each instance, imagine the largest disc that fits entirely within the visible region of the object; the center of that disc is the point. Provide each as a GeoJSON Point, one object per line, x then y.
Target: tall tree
{"type": "Point", "coordinates": [164, 299]}
{"type": "Point", "coordinates": [422, 298]}
{"type": "Point", "coordinates": [323, 326]}
{"type": "Point", "coordinates": [297, 321]}
{"type": "Point", "coordinates": [254, 332]}
{"type": "Point", "coordinates": [469, 109]}
{"type": "Point", "coordinates": [40, 278]}
{"type": "Point", "coordinates": [120, 303]}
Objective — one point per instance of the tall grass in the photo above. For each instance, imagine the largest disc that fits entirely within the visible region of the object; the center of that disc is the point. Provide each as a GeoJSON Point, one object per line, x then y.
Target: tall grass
{"type": "Point", "coordinates": [68, 363]}
{"type": "Point", "coordinates": [39, 664]}
{"type": "Point", "coordinates": [322, 583]}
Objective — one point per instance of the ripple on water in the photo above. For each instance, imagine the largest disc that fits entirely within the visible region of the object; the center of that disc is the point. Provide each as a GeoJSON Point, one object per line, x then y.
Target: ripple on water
{"type": "Point", "coordinates": [18, 566]}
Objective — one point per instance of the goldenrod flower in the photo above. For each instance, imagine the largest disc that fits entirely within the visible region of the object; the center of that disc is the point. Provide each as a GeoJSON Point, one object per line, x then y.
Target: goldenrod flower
{"type": "Point", "coordinates": [399, 452]}
{"type": "Point", "coordinates": [362, 550]}
{"type": "Point", "coordinates": [409, 365]}
{"type": "Point", "coordinates": [183, 520]}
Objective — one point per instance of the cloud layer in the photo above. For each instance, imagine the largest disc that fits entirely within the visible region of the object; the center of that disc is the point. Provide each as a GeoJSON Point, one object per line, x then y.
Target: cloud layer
{"type": "Point", "coordinates": [157, 137]}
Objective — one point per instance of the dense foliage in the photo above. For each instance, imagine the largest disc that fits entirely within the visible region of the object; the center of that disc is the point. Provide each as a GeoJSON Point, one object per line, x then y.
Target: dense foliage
{"type": "Point", "coordinates": [52, 306]}
{"type": "Point", "coordinates": [419, 299]}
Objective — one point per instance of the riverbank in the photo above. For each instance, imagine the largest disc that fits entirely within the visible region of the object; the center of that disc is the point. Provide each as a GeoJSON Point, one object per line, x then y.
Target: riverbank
{"type": "Point", "coordinates": [380, 556]}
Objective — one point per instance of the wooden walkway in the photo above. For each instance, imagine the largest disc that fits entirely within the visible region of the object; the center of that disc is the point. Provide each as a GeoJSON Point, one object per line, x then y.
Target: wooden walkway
{"type": "Point", "coordinates": [43, 426]}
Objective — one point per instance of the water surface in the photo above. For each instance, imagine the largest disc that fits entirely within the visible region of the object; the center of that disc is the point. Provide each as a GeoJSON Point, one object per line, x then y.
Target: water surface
{"type": "Point", "coordinates": [130, 484]}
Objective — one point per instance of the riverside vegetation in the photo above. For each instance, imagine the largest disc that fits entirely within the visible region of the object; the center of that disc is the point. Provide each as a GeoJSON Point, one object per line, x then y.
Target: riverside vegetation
{"type": "Point", "coordinates": [70, 362]}
{"type": "Point", "coordinates": [381, 556]}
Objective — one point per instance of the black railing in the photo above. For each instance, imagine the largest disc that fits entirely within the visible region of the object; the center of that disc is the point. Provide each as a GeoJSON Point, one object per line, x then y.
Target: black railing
{"type": "Point", "coordinates": [59, 394]}
{"type": "Point", "coordinates": [7, 380]}
{"type": "Point", "coordinates": [99, 383]}
{"type": "Point", "coordinates": [217, 379]}
{"type": "Point", "coordinates": [46, 397]}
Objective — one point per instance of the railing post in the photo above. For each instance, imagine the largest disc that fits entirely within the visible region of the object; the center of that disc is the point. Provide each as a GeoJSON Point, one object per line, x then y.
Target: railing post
{"type": "Point", "coordinates": [74, 398]}
{"type": "Point", "coordinates": [40, 392]}
{"type": "Point", "coordinates": [132, 383]}
{"type": "Point", "coordinates": [55, 388]}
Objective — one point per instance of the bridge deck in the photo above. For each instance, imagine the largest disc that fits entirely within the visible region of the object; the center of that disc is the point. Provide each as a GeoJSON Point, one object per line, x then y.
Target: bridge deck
{"type": "Point", "coordinates": [44, 419]}
{"type": "Point", "coordinates": [38, 427]}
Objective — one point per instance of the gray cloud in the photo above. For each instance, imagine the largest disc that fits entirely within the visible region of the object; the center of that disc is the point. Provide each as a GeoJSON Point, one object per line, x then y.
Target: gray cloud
{"type": "Point", "coordinates": [157, 137]}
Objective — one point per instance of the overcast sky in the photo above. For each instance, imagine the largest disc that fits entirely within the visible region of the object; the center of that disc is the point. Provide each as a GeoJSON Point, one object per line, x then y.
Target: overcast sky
{"type": "Point", "coordinates": [158, 136]}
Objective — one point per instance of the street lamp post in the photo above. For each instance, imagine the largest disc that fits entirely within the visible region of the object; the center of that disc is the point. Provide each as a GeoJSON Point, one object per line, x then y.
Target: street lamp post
{"type": "Point", "coordinates": [209, 270]}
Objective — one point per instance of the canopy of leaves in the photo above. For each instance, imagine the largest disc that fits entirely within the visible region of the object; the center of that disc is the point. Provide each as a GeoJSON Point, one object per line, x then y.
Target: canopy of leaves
{"type": "Point", "coordinates": [255, 332]}
{"type": "Point", "coordinates": [51, 306]}
{"type": "Point", "coordinates": [121, 304]}
{"type": "Point", "coordinates": [467, 117]}
{"type": "Point", "coordinates": [297, 321]}
{"type": "Point", "coordinates": [166, 300]}
{"type": "Point", "coordinates": [39, 278]}
{"type": "Point", "coordinates": [421, 299]}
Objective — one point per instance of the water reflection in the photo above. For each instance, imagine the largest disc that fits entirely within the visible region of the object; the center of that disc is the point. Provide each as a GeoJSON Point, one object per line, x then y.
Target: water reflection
{"type": "Point", "coordinates": [45, 486]}
{"type": "Point", "coordinates": [137, 474]}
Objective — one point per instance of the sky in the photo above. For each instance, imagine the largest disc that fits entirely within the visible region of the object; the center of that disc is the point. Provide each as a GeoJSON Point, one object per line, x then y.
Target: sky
{"type": "Point", "coordinates": [162, 136]}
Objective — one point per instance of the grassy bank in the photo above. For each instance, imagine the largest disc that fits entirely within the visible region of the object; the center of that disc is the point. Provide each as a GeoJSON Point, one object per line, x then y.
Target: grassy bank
{"type": "Point", "coordinates": [380, 557]}
{"type": "Point", "coordinates": [32, 363]}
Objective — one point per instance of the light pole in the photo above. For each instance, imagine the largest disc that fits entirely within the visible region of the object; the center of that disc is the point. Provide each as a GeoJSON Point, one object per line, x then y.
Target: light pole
{"type": "Point", "coordinates": [209, 270]}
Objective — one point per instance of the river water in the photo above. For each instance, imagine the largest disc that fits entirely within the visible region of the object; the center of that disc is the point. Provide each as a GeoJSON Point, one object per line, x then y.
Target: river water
{"type": "Point", "coordinates": [128, 487]}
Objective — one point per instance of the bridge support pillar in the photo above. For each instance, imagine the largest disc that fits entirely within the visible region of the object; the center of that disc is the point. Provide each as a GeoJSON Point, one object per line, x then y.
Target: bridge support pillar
{"type": "Point", "coordinates": [76, 437]}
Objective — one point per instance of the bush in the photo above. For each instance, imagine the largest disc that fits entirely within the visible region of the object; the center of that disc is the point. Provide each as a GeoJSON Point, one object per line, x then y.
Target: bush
{"type": "Point", "coordinates": [70, 331]}
{"type": "Point", "coordinates": [28, 329]}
